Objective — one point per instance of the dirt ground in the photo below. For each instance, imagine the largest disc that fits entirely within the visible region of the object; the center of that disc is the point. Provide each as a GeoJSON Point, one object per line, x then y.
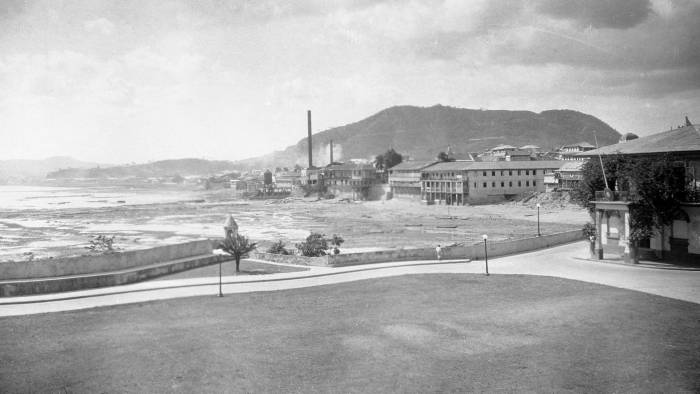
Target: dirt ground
{"type": "Point", "coordinates": [364, 225]}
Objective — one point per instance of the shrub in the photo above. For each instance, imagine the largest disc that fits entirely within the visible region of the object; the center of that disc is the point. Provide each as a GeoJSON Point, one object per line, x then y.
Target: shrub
{"type": "Point", "coordinates": [317, 244]}
{"type": "Point", "coordinates": [588, 230]}
{"type": "Point", "coordinates": [278, 248]}
{"type": "Point", "coordinates": [101, 244]}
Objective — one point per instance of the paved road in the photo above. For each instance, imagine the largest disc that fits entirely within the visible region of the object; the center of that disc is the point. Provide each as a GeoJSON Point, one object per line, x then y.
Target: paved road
{"type": "Point", "coordinates": [562, 261]}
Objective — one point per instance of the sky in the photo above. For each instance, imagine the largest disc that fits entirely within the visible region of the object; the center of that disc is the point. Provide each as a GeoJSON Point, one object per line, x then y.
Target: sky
{"type": "Point", "coordinates": [141, 80]}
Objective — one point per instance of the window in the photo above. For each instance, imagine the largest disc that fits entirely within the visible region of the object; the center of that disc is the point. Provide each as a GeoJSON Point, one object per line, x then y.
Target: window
{"type": "Point", "coordinates": [493, 173]}
{"type": "Point", "coordinates": [501, 172]}
{"type": "Point", "coordinates": [519, 184]}
{"type": "Point", "coordinates": [474, 185]}
{"type": "Point", "coordinates": [527, 172]}
{"type": "Point", "coordinates": [534, 183]}
{"type": "Point", "coordinates": [484, 173]}
{"type": "Point", "coordinates": [527, 183]}
{"type": "Point", "coordinates": [518, 172]}
{"type": "Point", "coordinates": [510, 184]}
{"type": "Point", "coordinates": [493, 184]}
{"type": "Point", "coordinates": [484, 184]}
{"type": "Point", "coordinates": [534, 172]}
{"type": "Point", "coordinates": [503, 184]}
{"type": "Point", "coordinates": [510, 172]}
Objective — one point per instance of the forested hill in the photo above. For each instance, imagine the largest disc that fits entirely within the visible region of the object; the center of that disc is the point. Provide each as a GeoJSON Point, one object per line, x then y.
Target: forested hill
{"type": "Point", "coordinates": [163, 168]}
{"type": "Point", "coordinates": [423, 132]}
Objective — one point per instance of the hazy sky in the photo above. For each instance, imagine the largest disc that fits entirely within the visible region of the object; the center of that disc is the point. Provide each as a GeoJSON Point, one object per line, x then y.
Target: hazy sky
{"type": "Point", "coordinates": [121, 81]}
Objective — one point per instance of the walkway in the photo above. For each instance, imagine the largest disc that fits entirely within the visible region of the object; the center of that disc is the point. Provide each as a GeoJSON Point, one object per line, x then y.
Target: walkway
{"type": "Point", "coordinates": [562, 261]}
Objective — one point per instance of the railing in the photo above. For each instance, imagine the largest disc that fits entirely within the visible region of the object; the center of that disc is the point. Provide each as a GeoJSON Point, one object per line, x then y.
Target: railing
{"type": "Point", "coordinates": [612, 195]}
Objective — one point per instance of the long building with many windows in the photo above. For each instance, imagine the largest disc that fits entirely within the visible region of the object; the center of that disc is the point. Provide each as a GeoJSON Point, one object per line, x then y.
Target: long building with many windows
{"type": "Point", "coordinates": [458, 183]}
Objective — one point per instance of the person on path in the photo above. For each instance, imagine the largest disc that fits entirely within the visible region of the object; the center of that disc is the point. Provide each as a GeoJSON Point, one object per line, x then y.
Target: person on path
{"type": "Point", "coordinates": [438, 252]}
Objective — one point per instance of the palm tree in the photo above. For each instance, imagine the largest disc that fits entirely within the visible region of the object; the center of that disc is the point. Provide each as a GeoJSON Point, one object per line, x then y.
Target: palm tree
{"type": "Point", "coordinates": [238, 247]}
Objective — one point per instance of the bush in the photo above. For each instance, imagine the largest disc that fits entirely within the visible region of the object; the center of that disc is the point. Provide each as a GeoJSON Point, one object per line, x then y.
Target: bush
{"type": "Point", "coordinates": [101, 244]}
{"type": "Point", "coordinates": [317, 244]}
{"type": "Point", "coordinates": [588, 230]}
{"type": "Point", "coordinates": [278, 248]}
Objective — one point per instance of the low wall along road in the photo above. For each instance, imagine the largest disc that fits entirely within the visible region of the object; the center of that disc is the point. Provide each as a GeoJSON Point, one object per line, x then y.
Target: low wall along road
{"type": "Point", "coordinates": [473, 252]}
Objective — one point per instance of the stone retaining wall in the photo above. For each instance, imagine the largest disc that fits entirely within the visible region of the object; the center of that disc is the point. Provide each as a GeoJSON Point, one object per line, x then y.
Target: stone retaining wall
{"type": "Point", "coordinates": [102, 263]}
{"type": "Point", "coordinates": [473, 252]}
{"type": "Point", "coordinates": [290, 259]}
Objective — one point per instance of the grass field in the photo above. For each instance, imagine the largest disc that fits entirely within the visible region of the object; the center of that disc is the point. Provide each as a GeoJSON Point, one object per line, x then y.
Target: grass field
{"type": "Point", "coordinates": [247, 267]}
{"type": "Point", "coordinates": [416, 333]}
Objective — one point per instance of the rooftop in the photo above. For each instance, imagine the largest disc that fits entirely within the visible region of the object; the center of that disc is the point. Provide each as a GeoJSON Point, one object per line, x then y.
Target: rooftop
{"type": "Point", "coordinates": [502, 147]}
{"type": "Point", "coordinates": [413, 165]}
{"type": "Point", "coordinates": [682, 140]}
{"type": "Point", "coordinates": [579, 145]}
{"type": "Point", "coordinates": [495, 165]}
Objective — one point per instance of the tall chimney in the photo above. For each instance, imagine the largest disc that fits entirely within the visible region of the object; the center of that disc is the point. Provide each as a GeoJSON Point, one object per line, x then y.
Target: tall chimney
{"type": "Point", "coordinates": [331, 152]}
{"type": "Point", "coordinates": [308, 116]}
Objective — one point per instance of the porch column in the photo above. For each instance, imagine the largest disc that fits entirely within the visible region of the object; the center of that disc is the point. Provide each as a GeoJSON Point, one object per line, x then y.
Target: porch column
{"type": "Point", "coordinates": [626, 238]}
{"type": "Point", "coordinates": [599, 233]}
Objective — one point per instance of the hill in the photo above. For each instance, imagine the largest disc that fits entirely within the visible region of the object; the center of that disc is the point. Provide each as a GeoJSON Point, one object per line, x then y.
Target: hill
{"type": "Point", "coordinates": [163, 168]}
{"type": "Point", "coordinates": [27, 170]}
{"type": "Point", "coordinates": [423, 132]}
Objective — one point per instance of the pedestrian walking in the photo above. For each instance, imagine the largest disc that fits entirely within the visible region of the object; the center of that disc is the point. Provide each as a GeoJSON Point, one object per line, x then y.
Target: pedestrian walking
{"type": "Point", "coordinates": [438, 252]}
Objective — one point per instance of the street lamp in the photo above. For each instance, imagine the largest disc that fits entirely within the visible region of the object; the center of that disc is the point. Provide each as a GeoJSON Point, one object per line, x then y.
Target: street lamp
{"type": "Point", "coordinates": [486, 254]}
{"type": "Point", "coordinates": [538, 220]}
{"type": "Point", "coordinates": [220, 293]}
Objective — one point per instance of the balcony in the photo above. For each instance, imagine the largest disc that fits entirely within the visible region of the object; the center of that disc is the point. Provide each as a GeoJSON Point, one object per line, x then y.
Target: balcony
{"type": "Point", "coordinates": [612, 195]}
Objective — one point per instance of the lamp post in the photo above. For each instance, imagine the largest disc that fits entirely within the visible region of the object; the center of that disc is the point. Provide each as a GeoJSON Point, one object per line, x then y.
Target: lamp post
{"type": "Point", "coordinates": [486, 254]}
{"type": "Point", "coordinates": [220, 293]}
{"type": "Point", "coordinates": [538, 220]}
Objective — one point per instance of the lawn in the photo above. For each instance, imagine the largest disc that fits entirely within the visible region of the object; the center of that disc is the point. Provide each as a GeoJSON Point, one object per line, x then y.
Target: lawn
{"type": "Point", "coordinates": [247, 267]}
{"type": "Point", "coordinates": [415, 333]}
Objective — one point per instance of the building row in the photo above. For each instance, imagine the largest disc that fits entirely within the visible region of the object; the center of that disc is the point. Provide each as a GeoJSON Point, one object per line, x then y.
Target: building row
{"type": "Point", "coordinates": [466, 182]}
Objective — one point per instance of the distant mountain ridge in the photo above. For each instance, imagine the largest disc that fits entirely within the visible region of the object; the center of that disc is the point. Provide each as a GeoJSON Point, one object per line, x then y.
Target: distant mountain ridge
{"type": "Point", "coordinates": [25, 169]}
{"type": "Point", "coordinates": [423, 132]}
{"type": "Point", "coordinates": [162, 168]}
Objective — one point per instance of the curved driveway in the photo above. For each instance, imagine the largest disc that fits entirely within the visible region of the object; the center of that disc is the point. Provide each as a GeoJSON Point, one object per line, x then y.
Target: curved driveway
{"type": "Point", "coordinates": [562, 261]}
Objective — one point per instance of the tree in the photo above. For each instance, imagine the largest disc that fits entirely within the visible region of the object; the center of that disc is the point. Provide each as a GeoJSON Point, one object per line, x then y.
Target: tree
{"type": "Point", "coordinates": [336, 241]}
{"type": "Point", "coordinates": [379, 162]}
{"type": "Point", "coordinates": [593, 180]}
{"type": "Point", "coordinates": [238, 247]}
{"type": "Point", "coordinates": [317, 244]}
{"type": "Point", "coordinates": [442, 156]}
{"type": "Point", "coordinates": [392, 158]}
{"type": "Point", "coordinates": [656, 186]}
{"type": "Point", "coordinates": [387, 160]}
{"type": "Point", "coordinates": [278, 248]}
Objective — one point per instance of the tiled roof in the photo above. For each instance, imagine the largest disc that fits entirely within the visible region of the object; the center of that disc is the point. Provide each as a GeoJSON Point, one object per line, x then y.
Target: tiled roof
{"type": "Point", "coordinates": [450, 166]}
{"type": "Point", "coordinates": [570, 165]}
{"type": "Point", "coordinates": [495, 165]}
{"type": "Point", "coordinates": [500, 147]}
{"type": "Point", "coordinates": [685, 139]}
{"type": "Point", "coordinates": [579, 145]}
{"type": "Point", "coordinates": [413, 165]}
{"type": "Point", "coordinates": [516, 165]}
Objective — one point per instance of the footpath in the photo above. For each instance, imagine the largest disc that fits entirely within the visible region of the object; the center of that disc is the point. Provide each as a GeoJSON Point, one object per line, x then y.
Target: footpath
{"type": "Point", "coordinates": [565, 261]}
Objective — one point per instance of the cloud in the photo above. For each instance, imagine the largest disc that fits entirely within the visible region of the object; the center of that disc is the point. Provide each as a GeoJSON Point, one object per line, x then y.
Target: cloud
{"type": "Point", "coordinates": [612, 14]}
{"type": "Point", "coordinates": [100, 25]}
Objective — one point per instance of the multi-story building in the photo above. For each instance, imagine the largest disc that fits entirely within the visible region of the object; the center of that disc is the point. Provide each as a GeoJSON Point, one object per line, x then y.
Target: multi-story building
{"type": "Point", "coordinates": [445, 183]}
{"type": "Point", "coordinates": [405, 179]}
{"type": "Point", "coordinates": [487, 181]}
{"type": "Point", "coordinates": [565, 178]}
{"type": "Point", "coordinates": [681, 239]}
{"type": "Point", "coordinates": [287, 180]}
{"type": "Point", "coordinates": [352, 180]}
{"type": "Point", "coordinates": [570, 152]}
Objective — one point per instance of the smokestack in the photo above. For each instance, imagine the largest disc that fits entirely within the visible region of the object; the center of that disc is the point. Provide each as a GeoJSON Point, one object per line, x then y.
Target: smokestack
{"type": "Point", "coordinates": [331, 151]}
{"type": "Point", "coordinates": [308, 116]}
